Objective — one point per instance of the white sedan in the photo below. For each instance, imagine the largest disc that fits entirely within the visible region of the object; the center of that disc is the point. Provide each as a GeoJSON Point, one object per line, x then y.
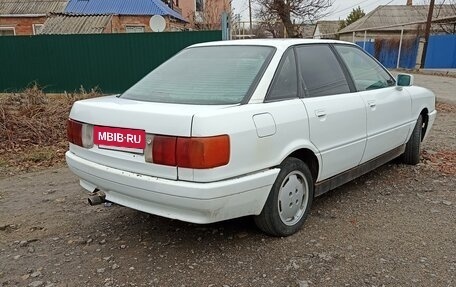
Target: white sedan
{"type": "Point", "coordinates": [252, 127]}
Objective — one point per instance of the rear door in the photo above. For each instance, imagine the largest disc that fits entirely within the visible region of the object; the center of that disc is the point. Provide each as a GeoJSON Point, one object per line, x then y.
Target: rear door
{"type": "Point", "coordinates": [337, 117]}
{"type": "Point", "coordinates": [388, 108]}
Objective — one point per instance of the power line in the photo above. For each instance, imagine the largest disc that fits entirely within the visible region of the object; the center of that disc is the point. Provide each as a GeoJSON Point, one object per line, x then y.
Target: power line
{"type": "Point", "coordinates": [351, 7]}
{"type": "Point", "coordinates": [242, 9]}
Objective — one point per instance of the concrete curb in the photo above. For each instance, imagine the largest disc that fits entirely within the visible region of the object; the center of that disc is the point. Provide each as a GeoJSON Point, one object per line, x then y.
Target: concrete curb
{"type": "Point", "coordinates": [441, 73]}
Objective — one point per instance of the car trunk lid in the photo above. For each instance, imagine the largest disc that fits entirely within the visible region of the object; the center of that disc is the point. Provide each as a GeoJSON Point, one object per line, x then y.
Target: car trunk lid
{"type": "Point", "coordinates": [136, 118]}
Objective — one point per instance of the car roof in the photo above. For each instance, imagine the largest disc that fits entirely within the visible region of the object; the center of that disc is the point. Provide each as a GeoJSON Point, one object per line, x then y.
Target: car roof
{"type": "Point", "coordinates": [278, 43]}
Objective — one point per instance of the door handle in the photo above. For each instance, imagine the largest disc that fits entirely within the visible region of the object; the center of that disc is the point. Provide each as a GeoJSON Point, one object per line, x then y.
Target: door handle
{"type": "Point", "coordinates": [320, 113]}
{"type": "Point", "coordinates": [372, 104]}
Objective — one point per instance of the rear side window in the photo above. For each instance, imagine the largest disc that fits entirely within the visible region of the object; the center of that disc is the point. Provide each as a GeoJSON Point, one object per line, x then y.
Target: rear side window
{"type": "Point", "coordinates": [204, 75]}
{"type": "Point", "coordinates": [365, 71]}
{"type": "Point", "coordinates": [321, 71]}
{"type": "Point", "coordinates": [285, 85]}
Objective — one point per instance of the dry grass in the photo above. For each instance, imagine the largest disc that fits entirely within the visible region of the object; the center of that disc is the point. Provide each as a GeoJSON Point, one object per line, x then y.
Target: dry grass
{"type": "Point", "coordinates": [33, 127]}
{"type": "Point", "coordinates": [444, 161]}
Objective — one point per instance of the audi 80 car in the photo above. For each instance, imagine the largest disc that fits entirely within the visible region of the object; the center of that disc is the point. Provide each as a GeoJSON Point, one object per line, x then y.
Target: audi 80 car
{"type": "Point", "coordinates": [247, 128]}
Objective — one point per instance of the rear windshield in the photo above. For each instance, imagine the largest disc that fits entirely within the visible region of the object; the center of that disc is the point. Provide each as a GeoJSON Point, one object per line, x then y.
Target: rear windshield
{"type": "Point", "coordinates": [204, 75]}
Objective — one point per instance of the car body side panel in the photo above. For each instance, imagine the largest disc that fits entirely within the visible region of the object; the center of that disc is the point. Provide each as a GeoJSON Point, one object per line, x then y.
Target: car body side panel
{"type": "Point", "coordinates": [249, 152]}
{"type": "Point", "coordinates": [422, 98]}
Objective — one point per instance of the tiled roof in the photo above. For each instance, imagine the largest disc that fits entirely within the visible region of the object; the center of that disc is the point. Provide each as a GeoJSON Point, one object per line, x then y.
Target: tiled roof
{"type": "Point", "coordinates": [121, 7]}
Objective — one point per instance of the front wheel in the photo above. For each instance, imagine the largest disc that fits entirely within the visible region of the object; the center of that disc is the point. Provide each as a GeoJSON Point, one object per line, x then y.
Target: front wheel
{"type": "Point", "coordinates": [411, 154]}
{"type": "Point", "coordinates": [289, 201]}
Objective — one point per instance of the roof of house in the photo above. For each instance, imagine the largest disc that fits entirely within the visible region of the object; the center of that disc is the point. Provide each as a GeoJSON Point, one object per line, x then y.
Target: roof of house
{"type": "Point", "coordinates": [328, 27]}
{"type": "Point", "coordinates": [307, 30]}
{"type": "Point", "coordinates": [121, 7]}
{"type": "Point", "coordinates": [391, 15]}
{"type": "Point", "coordinates": [75, 24]}
{"type": "Point", "coordinates": [31, 7]}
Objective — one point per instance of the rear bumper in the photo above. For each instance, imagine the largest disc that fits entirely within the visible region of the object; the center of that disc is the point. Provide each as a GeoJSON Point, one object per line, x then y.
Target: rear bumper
{"type": "Point", "coordinates": [186, 201]}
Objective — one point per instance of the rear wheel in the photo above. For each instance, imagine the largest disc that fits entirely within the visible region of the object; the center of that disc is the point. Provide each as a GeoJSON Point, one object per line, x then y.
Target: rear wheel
{"type": "Point", "coordinates": [289, 201]}
{"type": "Point", "coordinates": [411, 154]}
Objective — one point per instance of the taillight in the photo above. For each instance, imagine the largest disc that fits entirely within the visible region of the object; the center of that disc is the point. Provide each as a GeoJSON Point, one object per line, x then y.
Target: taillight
{"type": "Point", "coordinates": [80, 134]}
{"type": "Point", "coordinates": [203, 152]}
{"type": "Point", "coordinates": [74, 132]}
{"type": "Point", "coordinates": [193, 152]}
{"type": "Point", "coordinates": [164, 150]}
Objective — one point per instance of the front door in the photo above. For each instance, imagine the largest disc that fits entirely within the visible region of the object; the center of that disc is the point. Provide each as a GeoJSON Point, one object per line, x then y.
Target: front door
{"type": "Point", "coordinates": [388, 108]}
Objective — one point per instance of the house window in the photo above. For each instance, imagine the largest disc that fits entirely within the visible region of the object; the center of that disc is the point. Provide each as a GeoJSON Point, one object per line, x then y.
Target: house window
{"type": "Point", "coordinates": [199, 5]}
{"type": "Point", "coordinates": [37, 28]}
{"type": "Point", "coordinates": [7, 31]}
{"type": "Point", "coordinates": [134, 29]}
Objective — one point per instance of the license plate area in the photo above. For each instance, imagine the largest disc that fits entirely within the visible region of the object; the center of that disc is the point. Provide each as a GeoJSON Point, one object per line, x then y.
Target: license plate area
{"type": "Point", "coordinates": [121, 139]}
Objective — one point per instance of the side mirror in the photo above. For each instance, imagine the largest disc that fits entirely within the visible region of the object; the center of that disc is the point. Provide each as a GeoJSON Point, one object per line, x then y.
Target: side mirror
{"type": "Point", "coordinates": [404, 80]}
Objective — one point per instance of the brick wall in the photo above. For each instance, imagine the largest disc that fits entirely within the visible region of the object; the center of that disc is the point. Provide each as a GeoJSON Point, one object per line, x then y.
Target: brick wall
{"type": "Point", "coordinates": [211, 14]}
{"type": "Point", "coordinates": [22, 25]}
{"type": "Point", "coordinates": [120, 22]}
{"type": "Point", "coordinates": [188, 8]}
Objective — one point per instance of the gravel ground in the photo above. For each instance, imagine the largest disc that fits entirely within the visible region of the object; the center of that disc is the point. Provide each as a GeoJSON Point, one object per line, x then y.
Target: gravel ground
{"type": "Point", "coordinates": [395, 226]}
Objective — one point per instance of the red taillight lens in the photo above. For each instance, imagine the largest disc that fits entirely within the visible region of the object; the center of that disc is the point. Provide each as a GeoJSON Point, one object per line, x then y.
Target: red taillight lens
{"type": "Point", "coordinates": [194, 152]}
{"type": "Point", "coordinates": [74, 132]}
{"type": "Point", "coordinates": [164, 150]}
{"type": "Point", "coordinates": [203, 152]}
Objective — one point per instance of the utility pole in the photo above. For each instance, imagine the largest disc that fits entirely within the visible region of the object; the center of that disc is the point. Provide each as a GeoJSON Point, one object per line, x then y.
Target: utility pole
{"type": "Point", "coordinates": [250, 16]}
{"type": "Point", "coordinates": [427, 32]}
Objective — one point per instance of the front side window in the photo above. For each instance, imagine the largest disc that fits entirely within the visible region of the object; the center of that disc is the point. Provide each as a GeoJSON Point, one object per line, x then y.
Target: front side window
{"type": "Point", "coordinates": [204, 75]}
{"type": "Point", "coordinates": [285, 85]}
{"type": "Point", "coordinates": [321, 71]}
{"type": "Point", "coordinates": [365, 71]}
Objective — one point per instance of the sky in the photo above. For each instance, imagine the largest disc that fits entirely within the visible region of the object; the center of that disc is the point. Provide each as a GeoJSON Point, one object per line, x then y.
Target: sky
{"type": "Point", "coordinates": [339, 10]}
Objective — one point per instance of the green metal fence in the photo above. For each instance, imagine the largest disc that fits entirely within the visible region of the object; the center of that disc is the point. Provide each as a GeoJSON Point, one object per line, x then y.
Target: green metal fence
{"type": "Point", "coordinates": [112, 62]}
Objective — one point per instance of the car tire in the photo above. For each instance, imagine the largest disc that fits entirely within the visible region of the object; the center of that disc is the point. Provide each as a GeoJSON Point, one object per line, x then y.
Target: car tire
{"type": "Point", "coordinates": [289, 200]}
{"type": "Point", "coordinates": [411, 154]}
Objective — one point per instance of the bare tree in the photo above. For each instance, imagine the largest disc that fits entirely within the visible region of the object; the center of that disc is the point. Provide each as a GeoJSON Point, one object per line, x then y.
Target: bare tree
{"type": "Point", "coordinates": [446, 8]}
{"type": "Point", "coordinates": [449, 27]}
{"type": "Point", "coordinates": [290, 10]}
{"type": "Point", "coordinates": [268, 22]}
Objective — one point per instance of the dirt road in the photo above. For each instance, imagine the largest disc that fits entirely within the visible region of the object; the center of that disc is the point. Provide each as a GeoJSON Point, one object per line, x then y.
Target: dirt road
{"type": "Point", "coordinates": [395, 226]}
